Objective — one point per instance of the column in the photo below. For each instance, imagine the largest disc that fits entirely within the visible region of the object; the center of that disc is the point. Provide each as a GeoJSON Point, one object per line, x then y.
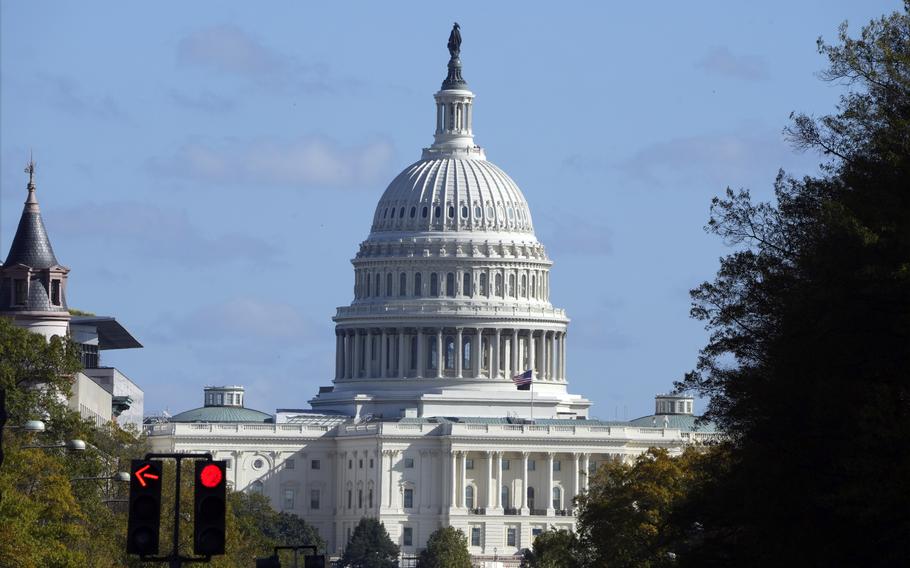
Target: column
{"type": "Point", "coordinates": [368, 358]}
{"type": "Point", "coordinates": [348, 355]}
{"type": "Point", "coordinates": [421, 354]}
{"type": "Point", "coordinates": [338, 351]}
{"type": "Point", "coordinates": [497, 495]}
{"type": "Point", "coordinates": [562, 359]}
{"type": "Point", "coordinates": [515, 350]}
{"type": "Point", "coordinates": [489, 352]}
{"type": "Point", "coordinates": [459, 352]}
{"type": "Point", "coordinates": [475, 353]}
{"type": "Point", "coordinates": [576, 488]}
{"type": "Point", "coordinates": [454, 501]}
{"type": "Point", "coordinates": [549, 496]}
{"type": "Point", "coordinates": [463, 481]}
{"type": "Point", "coordinates": [402, 354]}
{"type": "Point", "coordinates": [507, 358]}
{"type": "Point", "coordinates": [586, 468]}
{"type": "Point", "coordinates": [384, 354]}
{"type": "Point", "coordinates": [497, 347]}
{"type": "Point", "coordinates": [532, 354]}
{"type": "Point", "coordinates": [524, 484]}
{"type": "Point", "coordinates": [392, 499]}
{"type": "Point", "coordinates": [490, 502]}
{"type": "Point", "coordinates": [439, 353]}
{"type": "Point", "coordinates": [542, 356]}
{"type": "Point", "coordinates": [553, 367]}
{"type": "Point", "coordinates": [357, 347]}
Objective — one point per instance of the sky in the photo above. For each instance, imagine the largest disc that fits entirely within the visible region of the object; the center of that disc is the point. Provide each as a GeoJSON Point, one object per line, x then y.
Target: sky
{"type": "Point", "coordinates": [208, 169]}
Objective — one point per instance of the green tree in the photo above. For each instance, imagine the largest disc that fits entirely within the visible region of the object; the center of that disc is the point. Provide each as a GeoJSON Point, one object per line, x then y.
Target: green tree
{"type": "Point", "coordinates": [552, 549]}
{"type": "Point", "coordinates": [370, 547]}
{"type": "Point", "coordinates": [808, 361]}
{"type": "Point", "coordinates": [447, 547]}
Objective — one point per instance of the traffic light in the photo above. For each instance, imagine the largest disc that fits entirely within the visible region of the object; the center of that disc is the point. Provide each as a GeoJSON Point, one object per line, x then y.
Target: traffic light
{"type": "Point", "coordinates": [209, 506]}
{"type": "Point", "coordinates": [145, 507]}
{"type": "Point", "coordinates": [268, 562]}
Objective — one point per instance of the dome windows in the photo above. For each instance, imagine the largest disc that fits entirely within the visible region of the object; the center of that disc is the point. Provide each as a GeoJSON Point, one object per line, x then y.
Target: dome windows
{"type": "Point", "coordinates": [434, 285]}
{"type": "Point", "coordinates": [511, 214]}
{"type": "Point", "coordinates": [464, 211]}
{"type": "Point", "coordinates": [466, 284]}
{"type": "Point", "coordinates": [478, 212]}
{"type": "Point", "coordinates": [418, 284]}
{"type": "Point", "coordinates": [450, 285]}
{"type": "Point", "coordinates": [393, 212]}
{"type": "Point", "coordinates": [437, 212]}
{"type": "Point", "coordinates": [402, 284]}
{"type": "Point", "coordinates": [451, 211]}
{"type": "Point", "coordinates": [424, 212]}
{"type": "Point", "coordinates": [483, 284]}
{"type": "Point", "coordinates": [413, 212]}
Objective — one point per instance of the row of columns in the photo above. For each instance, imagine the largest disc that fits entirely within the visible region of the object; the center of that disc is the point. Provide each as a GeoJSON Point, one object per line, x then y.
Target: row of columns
{"type": "Point", "coordinates": [501, 356]}
{"type": "Point", "coordinates": [453, 117]}
{"type": "Point", "coordinates": [578, 483]}
{"type": "Point", "coordinates": [488, 283]}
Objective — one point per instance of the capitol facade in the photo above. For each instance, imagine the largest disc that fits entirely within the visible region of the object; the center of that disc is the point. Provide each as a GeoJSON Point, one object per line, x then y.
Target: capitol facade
{"type": "Point", "coordinates": [423, 425]}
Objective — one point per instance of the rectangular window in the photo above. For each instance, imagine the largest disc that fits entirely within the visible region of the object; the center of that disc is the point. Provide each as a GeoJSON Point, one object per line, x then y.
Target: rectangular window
{"type": "Point", "coordinates": [408, 498]}
{"type": "Point", "coordinates": [407, 536]}
{"type": "Point", "coordinates": [289, 464]}
{"type": "Point", "coordinates": [409, 463]}
{"type": "Point", "coordinates": [314, 499]}
{"type": "Point", "coordinates": [370, 504]}
{"type": "Point", "coordinates": [350, 464]}
{"type": "Point", "coordinates": [536, 531]}
{"type": "Point", "coordinates": [315, 464]}
{"type": "Point", "coordinates": [350, 497]}
{"type": "Point", "coordinates": [360, 464]}
{"type": "Point", "coordinates": [288, 499]}
{"type": "Point", "coordinates": [360, 498]}
{"type": "Point", "coordinates": [475, 536]}
{"type": "Point", "coordinates": [532, 465]}
{"type": "Point", "coordinates": [55, 292]}
{"type": "Point", "coordinates": [512, 536]}
{"type": "Point", "coordinates": [469, 463]}
{"type": "Point", "coordinates": [371, 463]}
{"type": "Point", "coordinates": [227, 463]}
{"type": "Point", "coordinates": [20, 295]}
{"type": "Point", "coordinates": [557, 465]}
{"type": "Point", "coordinates": [506, 464]}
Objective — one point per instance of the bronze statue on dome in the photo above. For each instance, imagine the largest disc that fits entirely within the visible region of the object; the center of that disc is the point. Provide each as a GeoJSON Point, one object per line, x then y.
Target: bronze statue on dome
{"type": "Point", "coordinates": [455, 41]}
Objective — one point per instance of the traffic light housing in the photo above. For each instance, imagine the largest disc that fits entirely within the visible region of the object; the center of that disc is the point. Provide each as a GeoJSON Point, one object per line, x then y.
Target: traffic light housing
{"type": "Point", "coordinates": [145, 507]}
{"type": "Point", "coordinates": [209, 504]}
{"type": "Point", "coordinates": [314, 561]}
{"type": "Point", "coordinates": [269, 562]}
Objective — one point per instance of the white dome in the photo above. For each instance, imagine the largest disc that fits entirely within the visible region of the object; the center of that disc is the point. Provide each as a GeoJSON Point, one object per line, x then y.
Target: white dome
{"type": "Point", "coordinates": [452, 194]}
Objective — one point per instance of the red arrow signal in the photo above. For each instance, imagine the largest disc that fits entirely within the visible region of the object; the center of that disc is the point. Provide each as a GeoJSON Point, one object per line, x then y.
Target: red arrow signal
{"type": "Point", "coordinates": [140, 474]}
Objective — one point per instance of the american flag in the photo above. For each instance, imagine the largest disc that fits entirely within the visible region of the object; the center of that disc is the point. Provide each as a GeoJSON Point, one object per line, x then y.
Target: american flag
{"type": "Point", "coordinates": [523, 380]}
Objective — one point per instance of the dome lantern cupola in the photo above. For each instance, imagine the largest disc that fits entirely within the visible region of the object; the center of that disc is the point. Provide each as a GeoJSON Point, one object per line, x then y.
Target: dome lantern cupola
{"type": "Point", "coordinates": [454, 135]}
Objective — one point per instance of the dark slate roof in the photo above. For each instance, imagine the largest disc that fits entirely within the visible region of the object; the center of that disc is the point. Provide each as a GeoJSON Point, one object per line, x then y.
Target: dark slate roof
{"type": "Point", "coordinates": [221, 414]}
{"type": "Point", "coordinates": [111, 335]}
{"type": "Point", "coordinates": [31, 245]}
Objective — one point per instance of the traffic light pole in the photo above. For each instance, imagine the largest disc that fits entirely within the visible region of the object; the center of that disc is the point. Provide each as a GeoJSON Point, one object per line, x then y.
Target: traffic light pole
{"type": "Point", "coordinates": [174, 559]}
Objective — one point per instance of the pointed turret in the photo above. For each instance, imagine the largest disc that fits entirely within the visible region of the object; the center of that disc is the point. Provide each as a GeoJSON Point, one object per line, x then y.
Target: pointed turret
{"type": "Point", "coordinates": [32, 281]}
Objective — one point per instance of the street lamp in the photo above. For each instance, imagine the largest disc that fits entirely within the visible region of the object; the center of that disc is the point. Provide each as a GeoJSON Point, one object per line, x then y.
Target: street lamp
{"type": "Point", "coordinates": [69, 445]}
{"type": "Point", "coordinates": [121, 476]}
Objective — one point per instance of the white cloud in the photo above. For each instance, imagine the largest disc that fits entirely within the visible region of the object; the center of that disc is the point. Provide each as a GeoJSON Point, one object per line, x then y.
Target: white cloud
{"type": "Point", "coordinates": [721, 61]}
{"type": "Point", "coordinates": [303, 163]}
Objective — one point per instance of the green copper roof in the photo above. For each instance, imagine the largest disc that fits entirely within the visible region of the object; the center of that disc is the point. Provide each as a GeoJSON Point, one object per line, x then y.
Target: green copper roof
{"type": "Point", "coordinates": [221, 414]}
{"type": "Point", "coordinates": [684, 422]}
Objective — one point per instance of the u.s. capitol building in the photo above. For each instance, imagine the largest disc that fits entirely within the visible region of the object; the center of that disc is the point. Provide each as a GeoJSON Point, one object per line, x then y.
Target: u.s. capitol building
{"type": "Point", "coordinates": [423, 425]}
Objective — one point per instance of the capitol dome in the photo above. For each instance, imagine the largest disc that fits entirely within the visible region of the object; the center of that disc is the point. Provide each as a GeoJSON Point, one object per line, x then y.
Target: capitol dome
{"type": "Point", "coordinates": [451, 291]}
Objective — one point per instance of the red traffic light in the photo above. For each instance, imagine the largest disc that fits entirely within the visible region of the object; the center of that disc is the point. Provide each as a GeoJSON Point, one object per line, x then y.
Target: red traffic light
{"type": "Point", "coordinates": [141, 474]}
{"type": "Point", "coordinates": [211, 476]}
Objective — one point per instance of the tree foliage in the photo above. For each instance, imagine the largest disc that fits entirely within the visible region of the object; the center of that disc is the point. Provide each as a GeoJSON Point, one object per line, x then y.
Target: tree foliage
{"type": "Point", "coordinates": [447, 547]}
{"type": "Point", "coordinates": [553, 549]}
{"type": "Point", "coordinates": [370, 547]}
{"type": "Point", "coordinates": [808, 361]}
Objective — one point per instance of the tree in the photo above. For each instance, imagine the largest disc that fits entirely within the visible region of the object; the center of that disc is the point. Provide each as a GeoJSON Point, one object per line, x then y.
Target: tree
{"type": "Point", "coordinates": [808, 360]}
{"type": "Point", "coordinates": [552, 549]}
{"type": "Point", "coordinates": [370, 547]}
{"type": "Point", "coordinates": [625, 517]}
{"type": "Point", "coordinates": [447, 547]}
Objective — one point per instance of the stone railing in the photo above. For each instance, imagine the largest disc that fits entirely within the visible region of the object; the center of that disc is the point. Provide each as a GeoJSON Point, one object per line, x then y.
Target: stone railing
{"type": "Point", "coordinates": [597, 432]}
{"type": "Point", "coordinates": [453, 309]}
{"type": "Point", "coordinates": [242, 430]}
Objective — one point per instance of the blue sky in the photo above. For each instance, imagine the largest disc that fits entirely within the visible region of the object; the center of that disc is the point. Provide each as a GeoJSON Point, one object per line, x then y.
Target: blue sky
{"type": "Point", "coordinates": [208, 169]}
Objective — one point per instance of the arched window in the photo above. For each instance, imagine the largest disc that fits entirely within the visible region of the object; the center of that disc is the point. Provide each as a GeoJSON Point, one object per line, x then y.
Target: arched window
{"type": "Point", "coordinates": [464, 211]}
{"type": "Point", "coordinates": [434, 285]}
{"type": "Point", "coordinates": [401, 212]}
{"type": "Point", "coordinates": [466, 354]}
{"type": "Point", "coordinates": [511, 285]}
{"type": "Point", "coordinates": [377, 282]}
{"type": "Point", "coordinates": [413, 212]}
{"type": "Point", "coordinates": [423, 212]}
{"type": "Point", "coordinates": [413, 352]}
{"type": "Point", "coordinates": [533, 286]}
{"type": "Point", "coordinates": [450, 284]}
{"type": "Point", "coordinates": [393, 213]}
{"type": "Point", "coordinates": [451, 212]}
{"type": "Point", "coordinates": [505, 497]}
{"type": "Point", "coordinates": [256, 487]}
{"type": "Point", "coordinates": [524, 285]}
{"type": "Point", "coordinates": [557, 498]}
{"type": "Point", "coordinates": [483, 284]}
{"type": "Point", "coordinates": [466, 284]}
{"type": "Point", "coordinates": [437, 211]}
{"type": "Point", "coordinates": [418, 285]}
{"type": "Point", "coordinates": [497, 288]}
{"type": "Point", "coordinates": [366, 287]}
{"type": "Point", "coordinates": [530, 497]}
{"type": "Point", "coordinates": [388, 284]}
{"type": "Point", "coordinates": [402, 284]}
{"type": "Point", "coordinates": [469, 496]}
{"type": "Point", "coordinates": [478, 213]}
{"type": "Point", "coordinates": [450, 353]}
{"type": "Point", "coordinates": [432, 355]}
